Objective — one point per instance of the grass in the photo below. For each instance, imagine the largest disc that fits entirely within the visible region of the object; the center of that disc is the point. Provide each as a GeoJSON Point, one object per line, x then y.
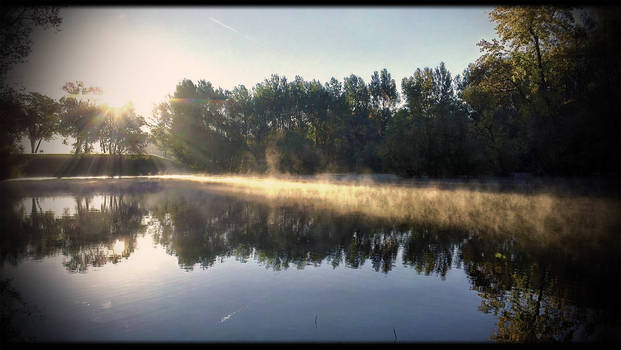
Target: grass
{"type": "Point", "coordinates": [63, 165]}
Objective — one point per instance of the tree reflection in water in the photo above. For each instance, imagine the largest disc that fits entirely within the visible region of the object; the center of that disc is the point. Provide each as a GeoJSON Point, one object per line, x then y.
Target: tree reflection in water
{"type": "Point", "coordinates": [538, 293]}
{"type": "Point", "coordinates": [86, 238]}
{"type": "Point", "coordinates": [90, 234]}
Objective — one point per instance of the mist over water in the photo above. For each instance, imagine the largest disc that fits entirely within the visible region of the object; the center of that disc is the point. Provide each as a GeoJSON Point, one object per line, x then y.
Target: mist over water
{"type": "Point", "coordinates": [484, 207]}
{"type": "Point", "coordinates": [547, 213]}
{"type": "Point", "coordinates": [230, 258]}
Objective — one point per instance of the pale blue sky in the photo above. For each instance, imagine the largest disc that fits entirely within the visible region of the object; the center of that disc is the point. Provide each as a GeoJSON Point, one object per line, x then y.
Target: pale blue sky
{"type": "Point", "coordinates": [139, 54]}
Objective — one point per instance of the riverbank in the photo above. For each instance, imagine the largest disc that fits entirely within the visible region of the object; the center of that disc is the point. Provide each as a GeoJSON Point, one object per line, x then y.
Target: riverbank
{"type": "Point", "coordinates": [64, 165]}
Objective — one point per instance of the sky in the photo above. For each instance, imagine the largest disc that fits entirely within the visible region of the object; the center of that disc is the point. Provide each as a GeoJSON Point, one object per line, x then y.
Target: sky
{"type": "Point", "coordinates": [139, 54]}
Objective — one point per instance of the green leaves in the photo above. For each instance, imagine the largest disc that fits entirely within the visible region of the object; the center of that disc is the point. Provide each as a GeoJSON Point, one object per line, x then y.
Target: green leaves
{"type": "Point", "coordinates": [42, 119]}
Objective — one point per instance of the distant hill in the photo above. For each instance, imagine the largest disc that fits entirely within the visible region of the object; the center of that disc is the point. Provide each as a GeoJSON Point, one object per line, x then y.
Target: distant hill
{"type": "Point", "coordinates": [59, 165]}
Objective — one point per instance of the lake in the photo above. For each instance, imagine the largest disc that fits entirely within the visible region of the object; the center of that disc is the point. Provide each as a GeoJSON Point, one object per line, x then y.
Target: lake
{"type": "Point", "coordinates": [218, 259]}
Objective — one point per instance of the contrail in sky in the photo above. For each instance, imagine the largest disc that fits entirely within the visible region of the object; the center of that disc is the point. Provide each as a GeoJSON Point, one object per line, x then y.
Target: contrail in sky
{"type": "Point", "coordinates": [231, 28]}
{"type": "Point", "coordinates": [224, 25]}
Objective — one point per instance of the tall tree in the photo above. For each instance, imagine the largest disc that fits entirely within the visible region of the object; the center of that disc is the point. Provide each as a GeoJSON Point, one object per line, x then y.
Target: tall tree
{"type": "Point", "coordinates": [361, 133]}
{"type": "Point", "coordinates": [80, 116]}
{"type": "Point", "coordinates": [16, 26]}
{"type": "Point", "coordinates": [384, 98]}
{"type": "Point", "coordinates": [12, 115]}
{"type": "Point", "coordinates": [41, 119]}
{"type": "Point", "coordinates": [196, 128]}
{"type": "Point", "coordinates": [547, 90]}
{"type": "Point", "coordinates": [430, 135]}
{"type": "Point", "coordinates": [121, 131]}
{"type": "Point", "coordinates": [532, 30]}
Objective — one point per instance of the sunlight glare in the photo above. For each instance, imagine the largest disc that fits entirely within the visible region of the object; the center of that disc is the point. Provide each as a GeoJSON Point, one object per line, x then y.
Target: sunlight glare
{"type": "Point", "coordinates": [119, 247]}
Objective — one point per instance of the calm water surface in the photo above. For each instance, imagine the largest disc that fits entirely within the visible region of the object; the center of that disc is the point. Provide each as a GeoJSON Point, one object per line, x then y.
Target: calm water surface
{"type": "Point", "coordinates": [152, 260]}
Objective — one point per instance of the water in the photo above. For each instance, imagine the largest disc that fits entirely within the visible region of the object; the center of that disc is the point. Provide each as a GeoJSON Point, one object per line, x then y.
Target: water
{"type": "Point", "coordinates": [173, 260]}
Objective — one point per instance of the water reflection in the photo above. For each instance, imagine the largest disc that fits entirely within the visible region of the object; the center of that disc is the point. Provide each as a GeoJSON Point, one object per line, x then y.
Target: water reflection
{"type": "Point", "coordinates": [276, 236]}
{"type": "Point", "coordinates": [537, 292]}
{"type": "Point", "coordinates": [87, 238]}
{"type": "Point", "coordinates": [543, 294]}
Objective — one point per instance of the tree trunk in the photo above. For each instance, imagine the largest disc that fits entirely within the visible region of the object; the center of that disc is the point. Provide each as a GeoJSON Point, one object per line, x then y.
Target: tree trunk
{"type": "Point", "coordinates": [78, 145]}
{"type": "Point", "coordinates": [542, 79]}
{"type": "Point", "coordinates": [38, 144]}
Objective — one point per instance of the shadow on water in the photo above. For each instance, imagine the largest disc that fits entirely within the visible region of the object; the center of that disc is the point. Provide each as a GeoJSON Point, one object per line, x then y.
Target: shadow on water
{"type": "Point", "coordinates": [538, 292]}
{"type": "Point", "coordinates": [13, 309]}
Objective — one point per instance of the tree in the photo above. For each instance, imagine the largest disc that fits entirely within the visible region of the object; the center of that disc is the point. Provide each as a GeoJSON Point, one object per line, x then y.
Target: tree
{"type": "Point", "coordinates": [535, 31]}
{"type": "Point", "coordinates": [361, 134]}
{"type": "Point", "coordinates": [336, 150]}
{"type": "Point", "coordinates": [384, 98]}
{"type": "Point", "coordinates": [80, 116]}
{"type": "Point", "coordinates": [160, 130]}
{"type": "Point", "coordinates": [197, 128]}
{"type": "Point", "coordinates": [546, 93]}
{"type": "Point", "coordinates": [41, 119]}
{"type": "Point", "coordinates": [431, 134]}
{"type": "Point", "coordinates": [16, 25]}
{"type": "Point", "coordinates": [12, 115]}
{"type": "Point", "coordinates": [121, 131]}
{"type": "Point", "coordinates": [497, 105]}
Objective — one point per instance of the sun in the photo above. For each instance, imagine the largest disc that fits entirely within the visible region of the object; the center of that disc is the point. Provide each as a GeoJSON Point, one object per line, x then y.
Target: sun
{"type": "Point", "coordinates": [114, 99]}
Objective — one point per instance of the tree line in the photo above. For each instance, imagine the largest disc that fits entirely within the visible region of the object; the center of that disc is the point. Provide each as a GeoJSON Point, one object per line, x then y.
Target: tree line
{"type": "Point", "coordinates": [543, 98]}
{"type": "Point", "coordinates": [79, 116]}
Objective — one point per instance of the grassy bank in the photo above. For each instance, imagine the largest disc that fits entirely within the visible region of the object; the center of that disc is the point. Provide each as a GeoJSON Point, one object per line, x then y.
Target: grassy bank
{"type": "Point", "coordinates": [36, 165]}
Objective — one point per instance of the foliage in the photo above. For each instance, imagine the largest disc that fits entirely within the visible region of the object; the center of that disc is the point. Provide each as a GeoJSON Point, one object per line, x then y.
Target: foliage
{"type": "Point", "coordinates": [121, 131]}
{"type": "Point", "coordinates": [16, 26]}
{"type": "Point", "coordinates": [193, 126]}
{"type": "Point", "coordinates": [118, 130]}
{"type": "Point", "coordinates": [80, 116]}
{"type": "Point", "coordinates": [542, 98]}
{"type": "Point", "coordinates": [11, 116]}
{"type": "Point", "coordinates": [41, 119]}
{"type": "Point", "coordinates": [431, 135]}
{"type": "Point", "coordinates": [541, 94]}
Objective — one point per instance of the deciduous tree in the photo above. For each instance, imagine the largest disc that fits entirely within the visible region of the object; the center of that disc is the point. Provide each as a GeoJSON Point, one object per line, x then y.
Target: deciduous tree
{"type": "Point", "coordinates": [42, 117]}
